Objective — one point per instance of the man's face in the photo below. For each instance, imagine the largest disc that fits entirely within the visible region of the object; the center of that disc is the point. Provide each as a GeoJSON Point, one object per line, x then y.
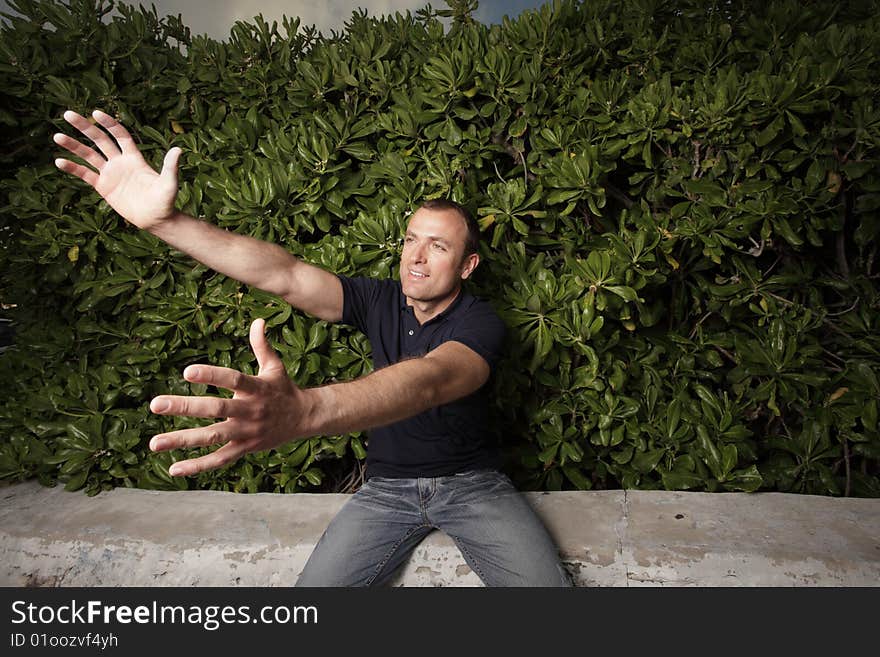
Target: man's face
{"type": "Point", "coordinates": [432, 264]}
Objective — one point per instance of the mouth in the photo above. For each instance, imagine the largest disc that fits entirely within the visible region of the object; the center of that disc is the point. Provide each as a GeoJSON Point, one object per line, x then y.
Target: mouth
{"type": "Point", "coordinates": [417, 274]}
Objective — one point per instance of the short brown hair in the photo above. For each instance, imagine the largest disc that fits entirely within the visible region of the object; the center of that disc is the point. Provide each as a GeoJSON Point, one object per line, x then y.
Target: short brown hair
{"type": "Point", "coordinates": [472, 242]}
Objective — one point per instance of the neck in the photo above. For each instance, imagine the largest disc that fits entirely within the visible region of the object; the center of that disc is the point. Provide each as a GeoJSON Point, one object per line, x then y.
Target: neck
{"type": "Point", "coordinates": [425, 311]}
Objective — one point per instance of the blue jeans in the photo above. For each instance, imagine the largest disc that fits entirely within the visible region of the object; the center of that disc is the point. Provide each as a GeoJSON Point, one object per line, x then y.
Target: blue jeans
{"type": "Point", "coordinates": [498, 533]}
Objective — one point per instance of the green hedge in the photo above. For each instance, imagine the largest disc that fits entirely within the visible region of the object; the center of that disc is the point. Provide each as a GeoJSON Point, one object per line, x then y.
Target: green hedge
{"type": "Point", "coordinates": [679, 198]}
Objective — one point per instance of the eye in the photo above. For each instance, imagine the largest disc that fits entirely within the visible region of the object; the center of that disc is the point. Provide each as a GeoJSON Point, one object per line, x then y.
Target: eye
{"type": "Point", "coordinates": [439, 246]}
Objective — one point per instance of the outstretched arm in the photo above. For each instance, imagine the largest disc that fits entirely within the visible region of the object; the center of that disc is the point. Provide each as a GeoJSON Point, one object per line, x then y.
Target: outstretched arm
{"type": "Point", "coordinates": [145, 198]}
{"type": "Point", "coordinates": [269, 409]}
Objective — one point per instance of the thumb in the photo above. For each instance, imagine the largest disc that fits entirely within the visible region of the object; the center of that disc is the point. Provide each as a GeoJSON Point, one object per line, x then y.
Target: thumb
{"type": "Point", "coordinates": [267, 359]}
{"type": "Point", "coordinates": [169, 165]}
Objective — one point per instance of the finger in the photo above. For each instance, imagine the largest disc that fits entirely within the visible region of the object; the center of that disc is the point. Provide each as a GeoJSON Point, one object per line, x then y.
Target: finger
{"type": "Point", "coordinates": [227, 454]}
{"type": "Point", "coordinates": [101, 139]}
{"type": "Point", "coordinates": [80, 150]}
{"type": "Point", "coordinates": [198, 406]}
{"type": "Point", "coordinates": [78, 170]}
{"type": "Point", "coordinates": [221, 377]}
{"type": "Point", "coordinates": [123, 137]}
{"type": "Point", "coordinates": [215, 434]}
{"type": "Point", "coordinates": [267, 359]}
{"type": "Point", "coordinates": [169, 166]}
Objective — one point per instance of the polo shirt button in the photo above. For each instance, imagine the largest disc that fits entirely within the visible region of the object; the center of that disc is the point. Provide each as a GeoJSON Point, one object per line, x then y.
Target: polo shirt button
{"type": "Point", "coordinates": [410, 331]}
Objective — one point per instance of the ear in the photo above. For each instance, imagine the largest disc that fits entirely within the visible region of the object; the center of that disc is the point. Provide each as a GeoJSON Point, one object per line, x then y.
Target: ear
{"type": "Point", "coordinates": [469, 264]}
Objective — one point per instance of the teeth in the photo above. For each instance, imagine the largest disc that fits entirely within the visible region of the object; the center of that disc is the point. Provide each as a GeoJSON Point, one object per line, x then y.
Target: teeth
{"type": "Point", "coordinates": [417, 274]}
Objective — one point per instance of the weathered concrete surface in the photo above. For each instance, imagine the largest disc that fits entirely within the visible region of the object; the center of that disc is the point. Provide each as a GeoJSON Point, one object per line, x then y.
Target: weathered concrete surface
{"type": "Point", "coordinates": [125, 537]}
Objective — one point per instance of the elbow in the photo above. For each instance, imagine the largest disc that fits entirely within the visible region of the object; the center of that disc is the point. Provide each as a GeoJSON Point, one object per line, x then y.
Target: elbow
{"type": "Point", "coordinates": [433, 388]}
{"type": "Point", "coordinates": [434, 394]}
{"type": "Point", "coordinates": [288, 283]}
{"type": "Point", "coordinates": [448, 373]}
{"type": "Point", "coordinates": [445, 384]}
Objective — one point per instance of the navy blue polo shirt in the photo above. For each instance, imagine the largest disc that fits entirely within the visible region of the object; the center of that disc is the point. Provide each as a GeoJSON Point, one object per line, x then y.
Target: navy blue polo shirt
{"type": "Point", "coordinates": [447, 439]}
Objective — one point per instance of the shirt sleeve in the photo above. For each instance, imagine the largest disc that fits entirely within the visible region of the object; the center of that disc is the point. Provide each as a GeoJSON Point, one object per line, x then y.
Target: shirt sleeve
{"type": "Point", "coordinates": [484, 332]}
{"type": "Point", "coordinates": [359, 298]}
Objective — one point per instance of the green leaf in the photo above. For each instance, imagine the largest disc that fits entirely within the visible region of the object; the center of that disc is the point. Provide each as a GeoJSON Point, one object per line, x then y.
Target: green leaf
{"type": "Point", "coordinates": [548, 455]}
{"type": "Point", "coordinates": [623, 292]}
{"type": "Point", "coordinates": [358, 448]}
{"type": "Point", "coordinates": [645, 462]}
{"type": "Point", "coordinates": [314, 476]}
{"type": "Point", "coordinates": [680, 480]}
{"type": "Point", "coordinates": [728, 459]}
{"type": "Point", "coordinates": [77, 480]}
{"type": "Point", "coordinates": [747, 480]}
{"type": "Point", "coordinates": [869, 415]}
{"type": "Point", "coordinates": [673, 414]}
{"type": "Point", "coordinates": [518, 127]}
{"type": "Point", "coordinates": [769, 133]}
{"type": "Point", "coordinates": [784, 228]}
{"type": "Point", "coordinates": [711, 453]}
{"type": "Point", "coordinates": [576, 477]}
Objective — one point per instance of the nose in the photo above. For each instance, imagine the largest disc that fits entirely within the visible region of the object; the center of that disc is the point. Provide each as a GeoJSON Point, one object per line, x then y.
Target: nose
{"type": "Point", "coordinates": [418, 253]}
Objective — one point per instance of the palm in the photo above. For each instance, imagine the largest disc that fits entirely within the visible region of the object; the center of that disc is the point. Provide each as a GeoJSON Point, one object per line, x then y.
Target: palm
{"type": "Point", "coordinates": [118, 171]}
{"type": "Point", "coordinates": [265, 410]}
{"type": "Point", "coordinates": [135, 190]}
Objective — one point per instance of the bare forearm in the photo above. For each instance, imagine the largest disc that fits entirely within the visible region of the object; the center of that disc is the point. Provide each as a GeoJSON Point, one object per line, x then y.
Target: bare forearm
{"type": "Point", "coordinates": [268, 410]}
{"type": "Point", "coordinates": [254, 262]}
{"type": "Point", "coordinates": [387, 395]}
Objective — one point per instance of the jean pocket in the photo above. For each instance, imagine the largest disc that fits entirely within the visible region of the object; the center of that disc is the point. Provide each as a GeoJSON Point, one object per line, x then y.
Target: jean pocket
{"type": "Point", "coordinates": [477, 486]}
{"type": "Point", "coordinates": [474, 474]}
{"type": "Point", "coordinates": [485, 478]}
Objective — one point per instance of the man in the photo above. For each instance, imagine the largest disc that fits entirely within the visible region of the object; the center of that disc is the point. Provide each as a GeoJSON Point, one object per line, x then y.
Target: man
{"type": "Point", "coordinates": [434, 347]}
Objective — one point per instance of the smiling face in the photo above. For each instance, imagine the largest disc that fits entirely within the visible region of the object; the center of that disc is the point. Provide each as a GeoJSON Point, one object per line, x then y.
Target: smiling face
{"type": "Point", "coordinates": [433, 263]}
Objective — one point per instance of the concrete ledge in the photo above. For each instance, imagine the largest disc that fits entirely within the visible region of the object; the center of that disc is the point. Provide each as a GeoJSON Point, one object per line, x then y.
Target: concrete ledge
{"type": "Point", "coordinates": [126, 537]}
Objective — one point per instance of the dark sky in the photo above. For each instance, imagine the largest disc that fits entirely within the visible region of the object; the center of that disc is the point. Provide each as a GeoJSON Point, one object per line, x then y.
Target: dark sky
{"type": "Point", "coordinates": [215, 17]}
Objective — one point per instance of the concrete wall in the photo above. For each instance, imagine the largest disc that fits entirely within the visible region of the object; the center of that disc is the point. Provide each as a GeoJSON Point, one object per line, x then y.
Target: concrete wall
{"type": "Point", "coordinates": [126, 537]}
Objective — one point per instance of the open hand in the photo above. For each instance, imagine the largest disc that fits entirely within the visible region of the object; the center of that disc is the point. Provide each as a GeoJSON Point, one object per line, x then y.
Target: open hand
{"type": "Point", "coordinates": [119, 173]}
{"type": "Point", "coordinates": [265, 411]}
